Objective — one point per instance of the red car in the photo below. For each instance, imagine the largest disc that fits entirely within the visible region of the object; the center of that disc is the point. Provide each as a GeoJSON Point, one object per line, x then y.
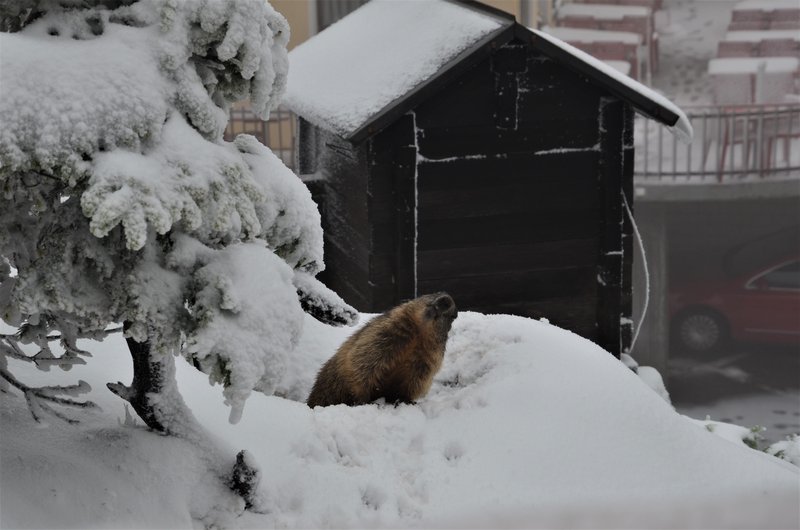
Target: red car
{"type": "Point", "coordinates": [761, 306]}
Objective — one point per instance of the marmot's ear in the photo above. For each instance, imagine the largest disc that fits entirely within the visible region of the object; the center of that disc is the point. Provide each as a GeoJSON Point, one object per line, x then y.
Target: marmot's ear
{"type": "Point", "coordinates": [444, 304]}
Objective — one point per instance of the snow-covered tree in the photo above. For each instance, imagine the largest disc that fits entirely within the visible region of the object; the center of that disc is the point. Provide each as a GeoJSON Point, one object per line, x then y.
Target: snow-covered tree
{"type": "Point", "coordinates": [121, 203]}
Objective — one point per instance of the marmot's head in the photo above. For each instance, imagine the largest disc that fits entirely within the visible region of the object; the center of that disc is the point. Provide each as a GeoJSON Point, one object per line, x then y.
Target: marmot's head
{"type": "Point", "coordinates": [439, 311]}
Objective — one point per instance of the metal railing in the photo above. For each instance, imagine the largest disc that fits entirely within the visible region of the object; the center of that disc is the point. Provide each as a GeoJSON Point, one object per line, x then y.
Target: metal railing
{"type": "Point", "coordinates": [278, 133]}
{"type": "Point", "coordinates": [730, 144]}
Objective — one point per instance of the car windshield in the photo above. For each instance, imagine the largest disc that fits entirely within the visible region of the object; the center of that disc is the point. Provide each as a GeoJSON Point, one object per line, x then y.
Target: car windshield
{"type": "Point", "coordinates": [784, 277]}
{"type": "Point", "coordinates": [757, 254]}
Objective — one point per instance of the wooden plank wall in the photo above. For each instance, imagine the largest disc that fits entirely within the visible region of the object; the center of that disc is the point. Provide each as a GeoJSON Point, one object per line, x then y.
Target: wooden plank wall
{"type": "Point", "coordinates": [342, 170]}
{"type": "Point", "coordinates": [615, 302]}
{"type": "Point", "coordinates": [507, 191]}
{"type": "Point", "coordinates": [513, 175]}
{"type": "Point", "coordinates": [611, 250]}
{"type": "Point", "coordinates": [628, 238]}
{"type": "Point", "coordinates": [392, 205]}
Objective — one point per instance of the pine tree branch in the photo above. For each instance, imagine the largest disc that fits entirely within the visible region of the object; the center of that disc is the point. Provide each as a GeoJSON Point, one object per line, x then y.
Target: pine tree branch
{"type": "Point", "coordinates": [38, 397]}
{"type": "Point", "coordinates": [12, 349]}
{"type": "Point", "coordinates": [51, 338]}
{"type": "Point", "coordinates": [63, 417]}
{"type": "Point", "coordinates": [44, 359]}
{"type": "Point", "coordinates": [322, 303]}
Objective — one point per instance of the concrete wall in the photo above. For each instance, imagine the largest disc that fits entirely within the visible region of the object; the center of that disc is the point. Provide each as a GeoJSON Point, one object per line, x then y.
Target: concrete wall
{"type": "Point", "coordinates": [703, 234]}
{"type": "Point", "coordinates": [301, 15]}
{"type": "Point", "coordinates": [509, 6]}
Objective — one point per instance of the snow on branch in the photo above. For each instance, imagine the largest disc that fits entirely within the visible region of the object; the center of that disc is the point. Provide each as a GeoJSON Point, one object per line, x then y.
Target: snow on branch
{"type": "Point", "coordinates": [237, 49]}
{"type": "Point", "coordinates": [146, 130]}
{"type": "Point", "coordinates": [321, 303]}
{"type": "Point", "coordinates": [248, 317]}
{"type": "Point", "coordinates": [41, 400]}
{"type": "Point", "coordinates": [122, 202]}
{"type": "Point", "coordinates": [178, 181]}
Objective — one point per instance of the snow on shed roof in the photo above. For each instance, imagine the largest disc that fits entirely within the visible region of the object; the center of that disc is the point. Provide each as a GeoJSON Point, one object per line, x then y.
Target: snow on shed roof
{"type": "Point", "coordinates": [344, 76]}
{"type": "Point", "coordinates": [361, 73]}
{"type": "Point", "coordinates": [681, 127]}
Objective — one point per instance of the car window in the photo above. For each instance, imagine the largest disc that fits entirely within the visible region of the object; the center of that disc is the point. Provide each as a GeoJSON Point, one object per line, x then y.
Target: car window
{"type": "Point", "coordinates": [784, 277]}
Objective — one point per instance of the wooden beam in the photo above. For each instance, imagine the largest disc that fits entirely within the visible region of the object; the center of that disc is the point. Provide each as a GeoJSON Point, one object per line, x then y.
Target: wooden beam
{"type": "Point", "coordinates": [626, 302]}
{"type": "Point", "coordinates": [610, 271]}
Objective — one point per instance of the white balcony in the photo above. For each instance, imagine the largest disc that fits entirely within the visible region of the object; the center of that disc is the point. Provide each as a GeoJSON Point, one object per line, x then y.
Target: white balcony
{"type": "Point", "coordinates": [731, 144]}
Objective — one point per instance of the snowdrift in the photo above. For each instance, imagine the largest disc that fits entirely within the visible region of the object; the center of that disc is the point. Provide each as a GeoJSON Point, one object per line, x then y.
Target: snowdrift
{"type": "Point", "coordinates": [527, 425]}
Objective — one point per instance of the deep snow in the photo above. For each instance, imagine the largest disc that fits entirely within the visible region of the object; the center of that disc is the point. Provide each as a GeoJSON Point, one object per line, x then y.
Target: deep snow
{"type": "Point", "coordinates": [526, 425]}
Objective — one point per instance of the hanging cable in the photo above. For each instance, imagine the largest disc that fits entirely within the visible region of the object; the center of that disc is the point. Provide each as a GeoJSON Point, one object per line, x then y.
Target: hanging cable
{"type": "Point", "coordinates": [646, 271]}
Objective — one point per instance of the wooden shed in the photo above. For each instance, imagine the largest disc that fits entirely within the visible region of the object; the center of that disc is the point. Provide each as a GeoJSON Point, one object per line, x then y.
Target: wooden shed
{"type": "Point", "coordinates": [456, 150]}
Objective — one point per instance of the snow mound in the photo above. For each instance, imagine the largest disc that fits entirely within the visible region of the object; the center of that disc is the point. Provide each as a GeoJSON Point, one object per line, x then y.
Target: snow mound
{"type": "Point", "coordinates": [249, 327]}
{"type": "Point", "coordinates": [788, 449]}
{"type": "Point", "coordinates": [526, 425]}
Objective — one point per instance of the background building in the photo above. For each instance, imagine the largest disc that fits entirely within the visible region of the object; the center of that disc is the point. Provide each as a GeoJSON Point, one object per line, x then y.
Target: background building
{"type": "Point", "coordinates": [723, 209]}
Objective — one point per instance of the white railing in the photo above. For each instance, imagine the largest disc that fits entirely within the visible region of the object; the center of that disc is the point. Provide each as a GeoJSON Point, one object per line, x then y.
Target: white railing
{"type": "Point", "coordinates": [730, 144]}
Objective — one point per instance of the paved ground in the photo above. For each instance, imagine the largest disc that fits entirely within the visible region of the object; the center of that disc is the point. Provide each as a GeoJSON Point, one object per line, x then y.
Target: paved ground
{"type": "Point", "coordinates": [749, 385]}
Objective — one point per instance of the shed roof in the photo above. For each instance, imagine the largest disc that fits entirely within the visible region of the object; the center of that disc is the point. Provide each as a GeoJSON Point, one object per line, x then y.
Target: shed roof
{"type": "Point", "coordinates": [362, 73]}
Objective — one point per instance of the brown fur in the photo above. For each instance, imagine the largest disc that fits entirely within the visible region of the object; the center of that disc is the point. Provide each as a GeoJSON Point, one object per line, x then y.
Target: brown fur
{"type": "Point", "coordinates": [394, 356]}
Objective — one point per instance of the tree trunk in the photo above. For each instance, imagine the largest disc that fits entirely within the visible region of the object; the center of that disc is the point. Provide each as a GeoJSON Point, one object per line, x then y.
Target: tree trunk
{"type": "Point", "coordinates": [154, 396]}
{"type": "Point", "coordinates": [148, 379]}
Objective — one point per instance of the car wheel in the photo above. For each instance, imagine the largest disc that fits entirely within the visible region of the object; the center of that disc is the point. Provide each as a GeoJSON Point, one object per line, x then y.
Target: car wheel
{"type": "Point", "coordinates": [701, 331]}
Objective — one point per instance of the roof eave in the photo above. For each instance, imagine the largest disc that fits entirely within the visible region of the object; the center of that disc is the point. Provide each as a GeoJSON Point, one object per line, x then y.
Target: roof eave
{"type": "Point", "coordinates": [640, 102]}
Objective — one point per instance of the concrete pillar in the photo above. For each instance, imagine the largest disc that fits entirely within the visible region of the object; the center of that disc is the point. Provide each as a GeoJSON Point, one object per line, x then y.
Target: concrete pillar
{"type": "Point", "coordinates": [652, 344]}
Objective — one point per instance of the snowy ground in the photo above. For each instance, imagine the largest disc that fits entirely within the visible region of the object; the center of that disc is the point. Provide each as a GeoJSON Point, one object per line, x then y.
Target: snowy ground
{"type": "Point", "coordinates": [752, 385]}
{"type": "Point", "coordinates": [527, 425]}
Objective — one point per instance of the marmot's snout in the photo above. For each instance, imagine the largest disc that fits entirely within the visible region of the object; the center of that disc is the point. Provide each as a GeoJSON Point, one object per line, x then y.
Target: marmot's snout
{"type": "Point", "coordinates": [444, 306]}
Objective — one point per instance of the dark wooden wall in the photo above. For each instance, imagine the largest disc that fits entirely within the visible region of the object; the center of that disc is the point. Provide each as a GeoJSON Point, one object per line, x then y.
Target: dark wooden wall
{"type": "Point", "coordinates": [615, 249]}
{"type": "Point", "coordinates": [366, 198]}
{"type": "Point", "coordinates": [341, 177]}
{"type": "Point", "coordinates": [509, 209]}
{"type": "Point", "coordinates": [628, 242]}
{"type": "Point", "coordinates": [507, 189]}
{"type": "Point", "coordinates": [393, 156]}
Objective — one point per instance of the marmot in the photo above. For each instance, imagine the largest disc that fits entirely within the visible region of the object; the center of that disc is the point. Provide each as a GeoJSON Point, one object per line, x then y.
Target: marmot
{"type": "Point", "coordinates": [394, 356]}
